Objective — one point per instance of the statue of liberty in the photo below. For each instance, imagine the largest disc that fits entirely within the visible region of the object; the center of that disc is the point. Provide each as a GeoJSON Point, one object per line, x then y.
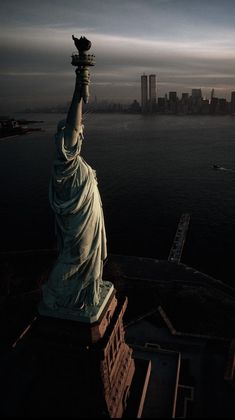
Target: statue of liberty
{"type": "Point", "coordinates": [76, 278]}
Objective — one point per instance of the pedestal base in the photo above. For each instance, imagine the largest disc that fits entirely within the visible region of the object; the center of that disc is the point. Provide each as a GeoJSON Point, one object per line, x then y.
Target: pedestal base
{"type": "Point", "coordinates": [88, 314]}
{"type": "Point", "coordinates": [66, 369]}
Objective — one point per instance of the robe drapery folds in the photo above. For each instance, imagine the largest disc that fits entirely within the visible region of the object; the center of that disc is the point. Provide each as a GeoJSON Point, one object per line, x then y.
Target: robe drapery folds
{"type": "Point", "coordinates": [74, 197]}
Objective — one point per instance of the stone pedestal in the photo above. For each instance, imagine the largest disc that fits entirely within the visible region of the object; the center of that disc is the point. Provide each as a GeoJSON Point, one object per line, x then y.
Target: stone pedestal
{"type": "Point", "coordinates": [117, 365]}
{"type": "Point", "coordinates": [87, 315]}
{"type": "Point", "coordinates": [64, 368]}
{"type": "Point", "coordinates": [84, 328]}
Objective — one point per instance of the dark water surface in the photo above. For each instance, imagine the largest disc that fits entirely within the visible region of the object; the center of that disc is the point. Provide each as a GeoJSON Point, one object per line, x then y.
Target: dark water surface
{"type": "Point", "coordinates": [150, 170]}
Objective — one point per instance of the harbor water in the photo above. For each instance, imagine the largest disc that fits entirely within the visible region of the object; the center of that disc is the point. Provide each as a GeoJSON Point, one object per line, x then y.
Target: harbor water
{"type": "Point", "coordinates": [150, 170]}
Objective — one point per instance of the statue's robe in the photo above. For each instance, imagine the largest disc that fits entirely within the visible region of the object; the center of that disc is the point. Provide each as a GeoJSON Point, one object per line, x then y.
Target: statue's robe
{"type": "Point", "coordinates": [74, 197]}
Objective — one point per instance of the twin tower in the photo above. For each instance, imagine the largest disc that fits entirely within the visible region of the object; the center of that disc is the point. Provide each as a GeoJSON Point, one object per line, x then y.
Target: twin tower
{"type": "Point", "coordinates": [148, 96]}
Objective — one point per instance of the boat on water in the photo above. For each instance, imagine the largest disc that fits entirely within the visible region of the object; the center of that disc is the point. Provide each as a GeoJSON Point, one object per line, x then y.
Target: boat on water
{"type": "Point", "coordinates": [221, 168]}
{"type": "Point", "coordinates": [217, 166]}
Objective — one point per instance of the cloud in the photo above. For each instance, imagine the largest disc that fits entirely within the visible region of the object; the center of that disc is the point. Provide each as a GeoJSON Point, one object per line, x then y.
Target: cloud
{"type": "Point", "coordinates": [178, 40]}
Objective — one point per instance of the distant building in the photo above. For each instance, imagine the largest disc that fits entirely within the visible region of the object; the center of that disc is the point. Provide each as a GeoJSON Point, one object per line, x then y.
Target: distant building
{"type": "Point", "coordinates": [173, 103]}
{"type": "Point", "coordinates": [196, 101]}
{"type": "Point", "coordinates": [196, 93]}
{"type": "Point", "coordinates": [144, 93]}
{"type": "Point", "coordinates": [10, 126]}
{"type": "Point", "coordinates": [212, 93]}
{"type": "Point", "coordinates": [134, 107]}
{"type": "Point", "coordinates": [205, 108]}
{"type": "Point", "coordinates": [184, 103]}
{"type": "Point", "coordinates": [172, 96]}
{"type": "Point", "coordinates": [185, 97]}
{"type": "Point", "coordinates": [214, 105]}
{"type": "Point", "coordinates": [161, 104]}
{"type": "Point", "coordinates": [233, 102]}
{"type": "Point", "coordinates": [152, 92]}
{"type": "Point", "coordinates": [222, 106]}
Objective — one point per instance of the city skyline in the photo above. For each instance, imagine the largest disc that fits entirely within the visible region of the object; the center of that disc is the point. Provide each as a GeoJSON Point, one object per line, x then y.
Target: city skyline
{"type": "Point", "coordinates": [186, 43]}
{"type": "Point", "coordinates": [149, 93]}
{"type": "Point", "coordinates": [185, 103]}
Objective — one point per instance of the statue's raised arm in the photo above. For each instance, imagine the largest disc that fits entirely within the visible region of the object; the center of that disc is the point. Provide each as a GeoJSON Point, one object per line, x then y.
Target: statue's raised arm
{"type": "Point", "coordinates": [82, 61]}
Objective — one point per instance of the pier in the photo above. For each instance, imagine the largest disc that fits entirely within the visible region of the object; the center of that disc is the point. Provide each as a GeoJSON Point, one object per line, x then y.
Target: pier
{"type": "Point", "coordinates": [179, 240]}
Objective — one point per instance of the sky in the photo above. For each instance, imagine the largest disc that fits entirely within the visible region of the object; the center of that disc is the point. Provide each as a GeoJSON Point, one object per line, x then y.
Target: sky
{"type": "Point", "coordinates": [186, 43]}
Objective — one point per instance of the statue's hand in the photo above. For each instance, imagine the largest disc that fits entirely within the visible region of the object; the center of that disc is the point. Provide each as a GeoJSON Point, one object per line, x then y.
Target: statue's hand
{"type": "Point", "coordinates": [78, 78]}
{"type": "Point", "coordinates": [82, 82]}
{"type": "Point", "coordinates": [78, 72]}
{"type": "Point", "coordinates": [78, 84]}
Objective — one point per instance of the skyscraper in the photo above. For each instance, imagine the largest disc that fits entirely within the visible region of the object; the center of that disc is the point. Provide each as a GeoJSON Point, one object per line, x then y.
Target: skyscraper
{"type": "Point", "coordinates": [233, 102]}
{"type": "Point", "coordinates": [173, 102]}
{"type": "Point", "coordinates": [196, 93]}
{"type": "Point", "coordinates": [172, 96]}
{"type": "Point", "coordinates": [196, 101]}
{"type": "Point", "coordinates": [144, 93]}
{"type": "Point", "coordinates": [152, 91]}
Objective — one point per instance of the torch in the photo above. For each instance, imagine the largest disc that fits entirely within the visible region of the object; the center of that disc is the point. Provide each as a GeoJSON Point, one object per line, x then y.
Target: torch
{"type": "Point", "coordinates": [83, 61]}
